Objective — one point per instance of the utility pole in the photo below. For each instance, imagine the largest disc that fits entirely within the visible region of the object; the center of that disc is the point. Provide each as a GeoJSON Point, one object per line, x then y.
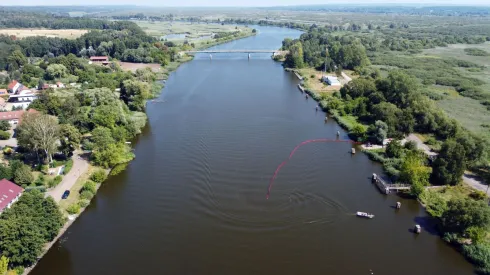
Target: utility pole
{"type": "Point", "coordinates": [325, 66]}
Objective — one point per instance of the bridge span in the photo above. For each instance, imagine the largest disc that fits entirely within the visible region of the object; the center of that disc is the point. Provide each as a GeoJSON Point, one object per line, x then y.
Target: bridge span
{"type": "Point", "coordinates": [274, 52]}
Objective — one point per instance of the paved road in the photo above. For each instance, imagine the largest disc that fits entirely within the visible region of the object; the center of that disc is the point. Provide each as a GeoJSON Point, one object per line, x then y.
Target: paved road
{"type": "Point", "coordinates": [468, 178]}
{"type": "Point", "coordinates": [80, 166]}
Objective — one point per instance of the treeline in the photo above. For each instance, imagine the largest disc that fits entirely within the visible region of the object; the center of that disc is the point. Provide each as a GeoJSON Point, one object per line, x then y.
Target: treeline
{"type": "Point", "coordinates": [317, 50]}
{"type": "Point", "coordinates": [429, 10]}
{"type": "Point", "coordinates": [130, 44]}
{"type": "Point", "coordinates": [25, 228]}
{"type": "Point", "coordinates": [16, 19]}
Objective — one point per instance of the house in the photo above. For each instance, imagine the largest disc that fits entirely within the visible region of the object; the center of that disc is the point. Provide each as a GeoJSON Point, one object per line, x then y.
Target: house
{"type": "Point", "coordinates": [3, 92]}
{"type": "Point", "coordinates": [22, 98]}
{"type": "Point", "coordinates": [14, 86]}
{"type": "Point", "coordinates": [44, 87]}
{"type": "Point", "coordinates": [100, 59]}
{"type": "Point", "coordinates": [14, 117]}
{"type": "Point", "coordinates": [9, 194]}
{"type": "Point", "coordinates": [60, 85]}
{"type": "Point", "coordinates": [331, 80]}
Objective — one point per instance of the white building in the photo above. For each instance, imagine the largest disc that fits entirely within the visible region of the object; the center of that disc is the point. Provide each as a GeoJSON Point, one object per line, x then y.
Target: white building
{"type": "Point", "coordinates": [22, 98]}
{"type": "Point", "coordinates": [331, 80]}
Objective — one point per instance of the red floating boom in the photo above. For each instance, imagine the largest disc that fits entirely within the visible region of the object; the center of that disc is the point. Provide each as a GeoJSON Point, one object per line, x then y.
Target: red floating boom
{"type": "Point", "coordinates": [294, 151]}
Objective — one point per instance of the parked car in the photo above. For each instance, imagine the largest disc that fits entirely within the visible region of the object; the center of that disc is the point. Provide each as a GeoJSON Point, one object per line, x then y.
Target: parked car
{"type": "Point", "coordinates": [65, 194]}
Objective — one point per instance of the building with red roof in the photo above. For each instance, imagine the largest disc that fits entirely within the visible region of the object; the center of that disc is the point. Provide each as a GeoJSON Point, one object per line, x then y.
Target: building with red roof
{"type": "Point", "coordinates": [103, 59]}
{"type": "Point", "coordinates": [9, 194]}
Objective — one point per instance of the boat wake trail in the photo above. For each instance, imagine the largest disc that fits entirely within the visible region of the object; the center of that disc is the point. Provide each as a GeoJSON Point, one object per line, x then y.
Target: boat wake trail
{"type": "Point", "coordinates": [294, 151]}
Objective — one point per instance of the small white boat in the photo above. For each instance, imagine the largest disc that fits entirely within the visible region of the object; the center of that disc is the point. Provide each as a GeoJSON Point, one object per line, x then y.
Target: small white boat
{"type": "Point", "coordinates": [365, 215]}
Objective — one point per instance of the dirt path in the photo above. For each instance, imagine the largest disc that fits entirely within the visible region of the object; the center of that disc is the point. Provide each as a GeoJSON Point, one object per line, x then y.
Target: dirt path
{"type": "Point", "coordinates": [80, 166]}
{"type": "Point", "coordinates": [346, 77]}
{"type": "Point", "coordinates": [468, 178]}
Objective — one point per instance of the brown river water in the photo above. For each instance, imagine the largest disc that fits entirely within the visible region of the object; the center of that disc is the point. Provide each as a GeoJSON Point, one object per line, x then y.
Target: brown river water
{"type": "Point", "coordinates": [194, 199]}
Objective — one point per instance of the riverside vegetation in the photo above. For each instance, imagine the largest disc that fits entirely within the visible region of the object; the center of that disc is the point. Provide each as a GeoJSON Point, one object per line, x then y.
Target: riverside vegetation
{"type": "Point", "coordinates": [395, 102]}
{"type": "Point", "coordinates": [100, 112]}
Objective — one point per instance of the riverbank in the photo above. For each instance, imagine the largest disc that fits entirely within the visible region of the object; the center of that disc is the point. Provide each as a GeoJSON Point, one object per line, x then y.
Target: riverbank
{"type": "Point", "coordinates": [402, 162]}
{"type": "Point", "coordinates": [79, 175]}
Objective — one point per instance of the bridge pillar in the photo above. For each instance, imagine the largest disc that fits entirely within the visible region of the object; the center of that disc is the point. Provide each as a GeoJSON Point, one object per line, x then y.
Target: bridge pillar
{"type": "Point", "coordinates": [248, 56]}
{"type": "Point", "coordinates": [211, 57]}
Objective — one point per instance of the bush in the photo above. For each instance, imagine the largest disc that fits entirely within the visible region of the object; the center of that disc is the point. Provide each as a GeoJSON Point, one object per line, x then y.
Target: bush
{"type": "Point", "coordinates": [90, 187]}
{"type": "Point", "coordinates": [83, 203]}
{"type": "Point", "coordinates": [4, 125]}
{"type": "Point", "coordinates": [54, 182]}
{"type": "Point", "coordinates": [98, 176]}
{"type": "Point", "coordinates": [118, 169]}
{"type": "Point", "coordinates": [86, 195]}
{"type": "Point", "coordinates": [68, 166]}
{"type": "Point", "coordinates": [4, 135]}
{"type": "Point", "coordinates": [478, 195]}
{"type": "Point", "coordinates": [478, 254]}
{"type": "Point", "coordinates": [7, 150]}
{"type": "Point", "coordinates": [40, 180]}
{"type": "Point", "coordinates": [73, 209]}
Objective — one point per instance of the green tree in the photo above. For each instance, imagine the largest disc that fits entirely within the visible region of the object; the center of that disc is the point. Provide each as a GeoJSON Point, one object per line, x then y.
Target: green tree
{"type": "Point", "coordinates": [39, 132]}
{"type": "Point", "coordinates": [394, 149]}
{"type": "Point", "coordinates": [20, 240]}
{"type": "Point", "coordinates": [380, 131]}
{"type": "Point", "coordinates": [134, 93]}
{"type": "Point", "coordinates": [295, 57]}
{"type": "Point", "coordinates": [398, 88]}
{"type": "Point", "coordinates": [5, 172]}
{"type": "Point", "coordinates": [102, 138]}
{"type": "Point", "coordinates": [112, 155]}
{"type": "Point", "coordinates": [450, 164]}
{"type": "Point", "coordinates": [414, 172]}
{"type": "Point", "coordinates": [462, 214]}
{"type": "Point", "coordinates": [23, 175]}
{"type": "Point", "coordinates": [106, 116]}
{"type": "Point", "coordinates": [56, 71]}
{"type": "Point", "coordinates": [4, 262]}
{"type": "Point", "coordinates": [16, 60]}
{"type": "Point", "coordinates": [359, 132]}
{"type": "Point", "coordinates": [70, 138]}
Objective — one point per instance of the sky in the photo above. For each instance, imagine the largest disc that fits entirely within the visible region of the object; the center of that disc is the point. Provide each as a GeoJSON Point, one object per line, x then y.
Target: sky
{"type": "Point", "coordinates": [250, 3]}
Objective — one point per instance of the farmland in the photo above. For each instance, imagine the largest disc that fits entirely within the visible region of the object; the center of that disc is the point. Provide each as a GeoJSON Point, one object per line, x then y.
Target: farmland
{"type": "Point", "coordinates": [63, 33]}
{"type": "Point", "coordinates": [193, 31]}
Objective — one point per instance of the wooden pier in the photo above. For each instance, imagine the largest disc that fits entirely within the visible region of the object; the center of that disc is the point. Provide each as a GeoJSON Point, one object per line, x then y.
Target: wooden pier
{"type": "Point", "coordinates": [298, 76]}
{"type": "Point", "coordinates": [301, 88]}
{"type": "Point", "coordinates": [387, 188]}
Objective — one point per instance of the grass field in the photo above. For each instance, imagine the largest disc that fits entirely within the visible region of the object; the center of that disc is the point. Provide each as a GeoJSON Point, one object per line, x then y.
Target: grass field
{"type": "Point", "coordinates": [469, 112]}
{"type": "Point", "coordinates": [193, 31]}
{"type": "Point", "coordinates": [63, 33]}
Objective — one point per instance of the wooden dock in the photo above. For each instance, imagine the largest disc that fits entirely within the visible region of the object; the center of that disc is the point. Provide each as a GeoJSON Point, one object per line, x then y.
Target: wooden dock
{"type": "Point", "coordinates": [301, 88]}
{"type": "Point", "coordinates": [387, 188]}
{"type": "Point", "coordinates": [298, 76]}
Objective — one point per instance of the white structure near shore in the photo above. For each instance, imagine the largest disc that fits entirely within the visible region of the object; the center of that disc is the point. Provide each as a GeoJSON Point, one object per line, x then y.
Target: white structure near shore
{"type": "Point", "coordinates": [331, 80]}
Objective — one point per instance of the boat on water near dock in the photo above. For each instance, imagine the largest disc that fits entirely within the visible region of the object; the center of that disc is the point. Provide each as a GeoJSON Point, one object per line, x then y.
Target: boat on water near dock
{"type": "Point", "coordinates": [365, 215]}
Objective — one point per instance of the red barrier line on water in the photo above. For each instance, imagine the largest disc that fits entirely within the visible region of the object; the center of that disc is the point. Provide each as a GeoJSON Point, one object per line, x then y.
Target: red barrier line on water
{"type": "Point", "coordinates": [294, 151]}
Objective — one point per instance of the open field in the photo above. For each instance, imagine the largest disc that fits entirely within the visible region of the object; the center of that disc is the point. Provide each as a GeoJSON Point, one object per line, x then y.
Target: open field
{"type": "Point", "coordinates": [469, 112]}
{"type": "Point", "coordinates": [128, 66]}
{"type": "Point", "coordinates": [458, 51]}
{"type": "Point", "coordinates": [64, 33]}
{"type": "Point", "coordinates": [192, 31]}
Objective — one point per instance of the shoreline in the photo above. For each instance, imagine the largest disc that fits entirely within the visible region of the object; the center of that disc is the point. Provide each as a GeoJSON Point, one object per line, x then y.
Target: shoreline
{"type": "Point", "coordinates": [69, 221]}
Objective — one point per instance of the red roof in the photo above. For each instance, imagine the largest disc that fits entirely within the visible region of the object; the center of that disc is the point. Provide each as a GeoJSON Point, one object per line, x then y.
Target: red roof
{"type": "Point", "coordinates": [8, 192]}
{"type": "Point", "coordinates": [12, 84]}
{"type": "Point", "coordinates": [14, 114]}
{"type": "Point", "coordinates": [99, 58]}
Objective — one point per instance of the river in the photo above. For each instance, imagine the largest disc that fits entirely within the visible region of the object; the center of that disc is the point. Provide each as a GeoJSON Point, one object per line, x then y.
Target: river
{"type": "Point", "coordinates": [194, 199]}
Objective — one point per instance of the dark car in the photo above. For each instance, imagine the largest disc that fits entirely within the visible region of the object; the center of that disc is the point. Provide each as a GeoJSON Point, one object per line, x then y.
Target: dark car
{"type": "Point", "coordinates": [65, 194]}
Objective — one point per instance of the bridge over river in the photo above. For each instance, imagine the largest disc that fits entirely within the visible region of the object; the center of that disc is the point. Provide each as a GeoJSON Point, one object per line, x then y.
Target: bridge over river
{"type": "Point", "coordinates": [274, 52]}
